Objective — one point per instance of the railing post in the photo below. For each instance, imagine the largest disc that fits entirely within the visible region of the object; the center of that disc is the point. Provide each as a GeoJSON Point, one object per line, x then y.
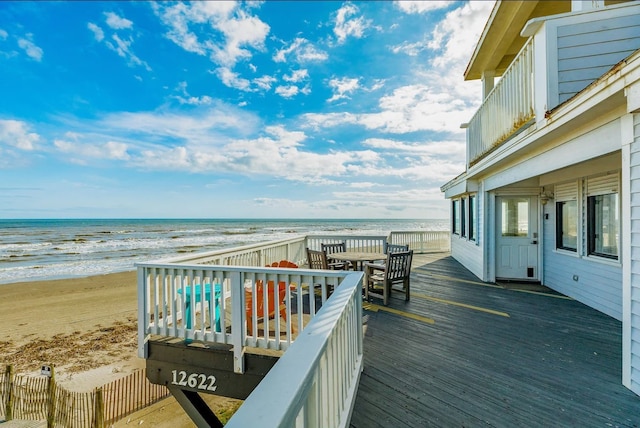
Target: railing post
{"type": "Point", "coordinates": [9, 405]}
{"type": "Point", "coordinates": [51, 399]}
{"type": "Point", "coordinates": [238, 316]}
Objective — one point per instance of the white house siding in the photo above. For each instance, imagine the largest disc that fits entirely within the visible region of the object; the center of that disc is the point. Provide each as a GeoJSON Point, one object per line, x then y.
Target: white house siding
{"type": "Point", "coordinates": [585, 54]}
{"type": "Point", "coordinates": [598, 284]}
{"type": "Point", "coordinates": [634, 324]}
{"type": "Point", "coordinates": [468, 254]}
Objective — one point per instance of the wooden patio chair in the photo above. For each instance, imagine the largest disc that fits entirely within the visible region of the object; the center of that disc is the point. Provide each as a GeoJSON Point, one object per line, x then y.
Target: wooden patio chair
{"type": "Point", "coordinates": [317, 259]}
{"type": "Point", "coordinates": [270, 311]}
{"type": "Point", "coordinates": [339, 247]}
{"type": "Point", "coordinates": [393, 248]}
{"type": "Point", "coordinates": [380, 280]}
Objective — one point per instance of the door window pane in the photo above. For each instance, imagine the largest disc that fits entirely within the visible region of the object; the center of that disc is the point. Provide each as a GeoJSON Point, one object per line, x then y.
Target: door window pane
{"type": "Point", "coordinates": [515, 217]}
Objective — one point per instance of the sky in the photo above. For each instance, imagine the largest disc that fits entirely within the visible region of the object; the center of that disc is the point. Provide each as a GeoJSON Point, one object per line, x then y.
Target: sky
{"type": "Point", "coordinates": [273, 109]}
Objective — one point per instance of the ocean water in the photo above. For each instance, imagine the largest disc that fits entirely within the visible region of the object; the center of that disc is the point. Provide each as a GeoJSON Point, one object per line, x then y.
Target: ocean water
{"type": "Point", "coordinates": [50, 249]}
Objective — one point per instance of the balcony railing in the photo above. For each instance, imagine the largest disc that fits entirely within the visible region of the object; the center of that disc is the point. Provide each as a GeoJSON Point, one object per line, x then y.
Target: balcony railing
{"type": "Point", "coordinates": [563, 56]}
{"type": "Point", "coordinates": [508, 107]}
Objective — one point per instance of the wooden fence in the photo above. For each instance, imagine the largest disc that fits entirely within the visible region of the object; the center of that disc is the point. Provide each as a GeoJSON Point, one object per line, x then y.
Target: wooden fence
{"type": "Point", "coordinates": [41, 398]}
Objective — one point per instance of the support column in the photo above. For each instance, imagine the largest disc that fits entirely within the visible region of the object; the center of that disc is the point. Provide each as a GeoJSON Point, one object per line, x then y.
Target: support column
{"type": "Point", "coordinates": [196, 408]}
{"type": "Point", "coordinates": [630, 139]}
{"type": "Point", "coordinates": [583, 5]}
{"type": "Point", "coordinates": [488, 79]}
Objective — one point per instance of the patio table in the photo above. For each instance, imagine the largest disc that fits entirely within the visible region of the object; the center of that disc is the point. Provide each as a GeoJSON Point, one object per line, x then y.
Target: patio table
{"type": "Point", "coordinates": [358, 258]}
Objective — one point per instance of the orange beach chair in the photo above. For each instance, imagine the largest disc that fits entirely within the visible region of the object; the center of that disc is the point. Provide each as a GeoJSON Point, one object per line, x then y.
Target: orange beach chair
{"type": "Point", "coordinates": [269, 312]}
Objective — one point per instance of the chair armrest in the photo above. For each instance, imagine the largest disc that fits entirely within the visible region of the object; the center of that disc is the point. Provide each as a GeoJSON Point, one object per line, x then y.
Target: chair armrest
{"type": "Point", "coordinates": [374, 266]}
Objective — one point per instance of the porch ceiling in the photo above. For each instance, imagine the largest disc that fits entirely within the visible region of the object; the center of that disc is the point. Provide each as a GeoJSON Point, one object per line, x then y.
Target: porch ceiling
{"type": "Point", "coordinates": [501, 41]}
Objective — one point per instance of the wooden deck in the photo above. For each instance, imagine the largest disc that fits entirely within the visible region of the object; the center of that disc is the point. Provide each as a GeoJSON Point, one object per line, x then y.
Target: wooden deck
{"type": "Point", "coordinates": [463, 353]}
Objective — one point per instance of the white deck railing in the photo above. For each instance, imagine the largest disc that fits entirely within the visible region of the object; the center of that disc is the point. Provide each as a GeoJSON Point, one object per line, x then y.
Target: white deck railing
{"type": "Point", "coordinates": [315, 381]}
{"type": "Point", "coordinates": [507, 108]}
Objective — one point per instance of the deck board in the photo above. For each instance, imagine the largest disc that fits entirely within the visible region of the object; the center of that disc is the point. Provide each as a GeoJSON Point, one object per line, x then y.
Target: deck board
{"type": "Point", "coordinates": [552, 362]}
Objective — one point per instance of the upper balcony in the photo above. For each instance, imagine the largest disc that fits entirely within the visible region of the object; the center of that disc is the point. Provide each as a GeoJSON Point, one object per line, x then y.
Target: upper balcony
{"type": "Point", "coordinates": [561, 57]}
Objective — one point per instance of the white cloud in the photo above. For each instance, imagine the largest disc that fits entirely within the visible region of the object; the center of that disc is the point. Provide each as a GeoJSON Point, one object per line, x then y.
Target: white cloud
{"type": "Point", "coordinates": [264, 82]}
{"type": "Point", "coordinates": [287, 91]}
{"type": "Point", "coordinates": [343, 87]}
{"type": "Point", "coordinates": [16, 133]}
{"type": "Point", "coordinates": [346, 25]}
{"type": "Point", "coordinates": [241, 31]}
{"type": "Point", "coordinates": [442, 100]}
{"type": "Point", "coordinates": [109, 150]}
{"type": "Point", "coordinates": [117, 42]}
{"type": "Point", "coordinates": [451, 36]}
{"type": "Point", "coordinates": [186, 98]}
{"type": "Point", "coordinates": [302, 51]}
{"type": "Point", "coordinates": [116, 22]}
{"type": "Point", "coordinates": [411, 49]}
{"type": "Point", "coordinates": [30, 48]}
{"type": "Point", "coordinates": [422, 6]}
{"type": "Point", "coordinates": [296, 76]}
{"type": "Point", "coordinates": [3, 34]}
{"type": "Point", "coordinates": [123, 48]}
{"type": "Point", "coordinates": [232, 79]}
{"type": "Point", "coordinates": [96, 30]}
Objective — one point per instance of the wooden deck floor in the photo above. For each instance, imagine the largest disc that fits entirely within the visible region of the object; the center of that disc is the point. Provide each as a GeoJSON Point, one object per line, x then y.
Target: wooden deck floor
{"type": "Point", "coordinates": [493, 356]}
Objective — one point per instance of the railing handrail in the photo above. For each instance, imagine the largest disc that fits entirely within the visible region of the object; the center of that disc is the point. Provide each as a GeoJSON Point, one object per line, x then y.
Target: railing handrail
{"type": "Point", "coordinates": [226, 251]}
{"type": "Point", "coordinates": [291, 389]}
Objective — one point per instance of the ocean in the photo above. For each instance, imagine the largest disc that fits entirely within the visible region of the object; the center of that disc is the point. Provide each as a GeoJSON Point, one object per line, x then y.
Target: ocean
{"type": "Point", "coordinates": [51, 249]}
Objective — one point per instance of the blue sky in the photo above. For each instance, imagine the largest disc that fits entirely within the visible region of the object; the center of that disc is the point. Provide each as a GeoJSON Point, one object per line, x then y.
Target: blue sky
{"type": "Point", "coordinates": [292, 109]}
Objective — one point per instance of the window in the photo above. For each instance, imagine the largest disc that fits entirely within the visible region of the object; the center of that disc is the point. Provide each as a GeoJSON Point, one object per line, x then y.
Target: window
{"type": "Point", "coordinates": [472, 217]}
{"type": "Point", "coordinates": [567, 225]}
{"type": "Point", "coordinates": [455, 216]}
{"type": "Point", "coordinates": [603, 225]}
{"type": "Point", "coordinates": [463, 226]}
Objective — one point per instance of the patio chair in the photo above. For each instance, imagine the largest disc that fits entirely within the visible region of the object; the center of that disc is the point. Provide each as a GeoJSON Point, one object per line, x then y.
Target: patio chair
{"type": "Point", "coordinates": [380, 280]}
{"type": "Point", "coordinates": [270, 312]}
{"type": "Point", "coordinates": [393, 248]}
{"type": "Point", "coordinates": [317, 259]}
{"type": "Point", "coordinates": [340, 247]}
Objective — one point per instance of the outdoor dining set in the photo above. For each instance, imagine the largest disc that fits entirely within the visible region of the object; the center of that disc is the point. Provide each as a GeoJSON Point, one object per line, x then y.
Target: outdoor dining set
{"type": "Point", "coordinates": [383, 272]}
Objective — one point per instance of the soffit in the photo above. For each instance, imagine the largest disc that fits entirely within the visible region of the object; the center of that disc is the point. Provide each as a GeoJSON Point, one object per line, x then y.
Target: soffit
{"type": "Point", "coordinates": [500, 41]}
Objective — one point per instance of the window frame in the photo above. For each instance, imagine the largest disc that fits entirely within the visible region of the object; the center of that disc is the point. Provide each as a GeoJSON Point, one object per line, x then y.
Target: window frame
{"type": "Point", "coordinates": [559, 205]}
{"type": "Point", "coordinates": [455, 216]}
{"type": "Point", "coordinates": [472, 217]}
{"type": "Point", "coordinates": [592, 224]}
{"type": "Point", "coordinates": [463, 218]}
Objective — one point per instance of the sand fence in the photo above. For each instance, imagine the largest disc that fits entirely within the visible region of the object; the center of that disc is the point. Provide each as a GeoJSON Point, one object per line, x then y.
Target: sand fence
{"type": "Point", "coordinates": [29, 397]}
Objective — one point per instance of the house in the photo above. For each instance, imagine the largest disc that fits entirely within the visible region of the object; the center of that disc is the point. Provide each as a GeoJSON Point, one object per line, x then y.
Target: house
{"type": "Point", "coordinates": [551, 188]}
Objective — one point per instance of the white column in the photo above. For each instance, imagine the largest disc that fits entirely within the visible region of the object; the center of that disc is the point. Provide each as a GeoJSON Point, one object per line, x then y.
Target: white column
{"type": "Point", "coordinates": [583, 5]}
{"type": "Point", "coordinates": [488, 79]}
{"type": "Point", "coordinates": [630, 139]}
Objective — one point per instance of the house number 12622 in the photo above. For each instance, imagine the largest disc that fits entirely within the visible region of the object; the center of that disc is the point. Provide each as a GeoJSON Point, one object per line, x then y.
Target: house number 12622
{"type": "Point", "coordinates": [194, 380]}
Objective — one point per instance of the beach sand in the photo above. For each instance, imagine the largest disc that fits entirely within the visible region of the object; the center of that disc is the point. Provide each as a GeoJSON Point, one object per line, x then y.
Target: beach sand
{"type": "Point", "coordinates": [87, 329]}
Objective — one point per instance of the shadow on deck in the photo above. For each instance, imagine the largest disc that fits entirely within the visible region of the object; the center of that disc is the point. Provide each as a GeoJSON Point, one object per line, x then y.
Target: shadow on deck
{"type": "Point", "coordinates": [493, 356]}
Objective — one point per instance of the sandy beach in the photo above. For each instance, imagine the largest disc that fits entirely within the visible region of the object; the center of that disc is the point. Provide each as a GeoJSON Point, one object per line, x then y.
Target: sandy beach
{"type": "Point", "coordinates": [87, 329]}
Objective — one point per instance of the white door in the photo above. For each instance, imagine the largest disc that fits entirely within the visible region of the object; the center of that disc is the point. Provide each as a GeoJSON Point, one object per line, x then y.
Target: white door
{"type": "Point", "coordinates": [517, 237]}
